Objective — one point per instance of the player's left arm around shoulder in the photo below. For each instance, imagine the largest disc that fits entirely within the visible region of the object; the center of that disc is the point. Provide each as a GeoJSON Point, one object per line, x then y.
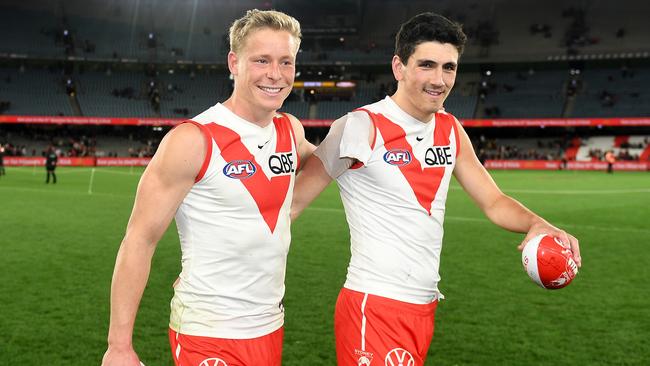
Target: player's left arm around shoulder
{"type": "Point", "coordinates": [500, 208]}
{"type": "Point", "coordinates": [312, 178]}
{"type": "Point", "coordinates": [304, 147]}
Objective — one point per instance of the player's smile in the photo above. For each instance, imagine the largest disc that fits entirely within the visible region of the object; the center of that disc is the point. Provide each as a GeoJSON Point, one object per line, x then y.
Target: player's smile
{"type": "Point", "coordinates": [270, 90]}
{"type": "Point", "coordinates": [436, 93]}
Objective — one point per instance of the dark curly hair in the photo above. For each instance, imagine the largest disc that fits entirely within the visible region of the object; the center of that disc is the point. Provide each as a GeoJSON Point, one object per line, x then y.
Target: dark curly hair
{"type": "Point", "coordinates": [428, 27]}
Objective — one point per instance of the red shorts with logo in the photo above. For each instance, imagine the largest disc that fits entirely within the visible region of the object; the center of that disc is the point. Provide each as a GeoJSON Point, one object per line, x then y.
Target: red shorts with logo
{"type": "Point", "coordinates": [190, 350]}
{"type": "Point", "coordinates": [391, 332]}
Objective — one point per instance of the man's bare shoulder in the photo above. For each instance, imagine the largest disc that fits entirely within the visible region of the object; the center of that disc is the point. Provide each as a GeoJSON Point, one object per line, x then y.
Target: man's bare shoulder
{"type": "Point", "coordinates": [184, 147]}
{"type": "Point", "coordinates": [186, 139]}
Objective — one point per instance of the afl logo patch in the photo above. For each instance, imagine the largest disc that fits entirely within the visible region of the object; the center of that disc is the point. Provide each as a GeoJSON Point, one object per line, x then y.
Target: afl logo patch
{"type": "Point", "coordinates": [239, 169]}
{"type": "Point", "coordinates": [397, 157]}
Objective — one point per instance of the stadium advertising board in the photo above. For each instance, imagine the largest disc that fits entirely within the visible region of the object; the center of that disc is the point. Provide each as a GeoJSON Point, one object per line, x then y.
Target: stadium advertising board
{"type": "Point", "coordinates": [87, 161]}
{"type": "Point", "coordinates": [571, 165]}
{"type": "Point", "coordinates": [123, 161]}
{"type": "Point", "coordinates": [545, 122]}
{"type": "Point", "coordinates": [38, 161]}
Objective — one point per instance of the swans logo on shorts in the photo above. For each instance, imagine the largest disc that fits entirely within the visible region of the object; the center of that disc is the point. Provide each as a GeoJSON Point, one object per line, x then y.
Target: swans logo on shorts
{"type": "Point", "coordinates": [364, 361]}
{"type": "Point", "coordinates": [239, 169]}
{"type": "Point", "coordinates": [365, 358]}
{"type": "Point", "coordinates": [399, 357]}
{"type": "Point", "coordinates": [397, 157]}
{"type": "Point", "coordinates": [213, 362]}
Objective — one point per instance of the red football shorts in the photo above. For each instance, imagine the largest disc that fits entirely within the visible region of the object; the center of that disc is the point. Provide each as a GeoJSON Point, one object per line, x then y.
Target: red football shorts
{"type": "Point", "coordinates": [391, 332]}
{"type": "Point", "coordinates": [190, 350]}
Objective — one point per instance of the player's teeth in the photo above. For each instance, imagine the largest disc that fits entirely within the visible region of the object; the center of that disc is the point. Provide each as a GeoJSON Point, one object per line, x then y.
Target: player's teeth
{"type": "Point", "coordinates": [271, 90]}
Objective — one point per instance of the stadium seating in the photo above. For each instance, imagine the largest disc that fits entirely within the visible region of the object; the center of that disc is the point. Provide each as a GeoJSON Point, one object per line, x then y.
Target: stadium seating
{"type": "Point", "coordinates": [524, 94]}
{"type": "Point", "coordinates": [34, 91]}
{"type": "Point", "coordinates": [95, 94]}
{"type": "Point", "coordinates": [177, 51]}
{"type": "Point", "coordinates": [182, 90]}
{"type": "Point", "coordinates": [612, 92]}
{"type": "Point", "coordinates": [594, 148]}
{"type": "Point", "coordinates": [197, 32]}
{"type": "Point", "coordinates": [24, 32]}
{"type": "Point", "coordinates": [539, 148]}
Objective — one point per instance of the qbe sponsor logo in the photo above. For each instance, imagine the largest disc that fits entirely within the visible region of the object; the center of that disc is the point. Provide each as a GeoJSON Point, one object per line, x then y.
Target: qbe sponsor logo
{"type": "Point", "coordinates": [282, 163]}
{"type": "Point", "coordinates": [438, 156]}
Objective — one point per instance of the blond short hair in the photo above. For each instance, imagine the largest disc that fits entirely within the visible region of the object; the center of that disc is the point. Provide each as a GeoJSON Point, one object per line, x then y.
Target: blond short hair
{"type": "Point", "coordinates": [257, 19]}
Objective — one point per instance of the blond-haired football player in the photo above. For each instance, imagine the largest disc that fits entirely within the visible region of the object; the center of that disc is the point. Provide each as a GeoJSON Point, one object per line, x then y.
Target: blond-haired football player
{"type": "Point", "coordinates": [227, 177]}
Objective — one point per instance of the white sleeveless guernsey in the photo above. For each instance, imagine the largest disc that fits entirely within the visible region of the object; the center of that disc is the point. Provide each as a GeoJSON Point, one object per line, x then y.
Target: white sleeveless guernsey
{"type": "Point", "coordinates": [395, 201]}
{"type": "Point", "coordinates": [234, 229]}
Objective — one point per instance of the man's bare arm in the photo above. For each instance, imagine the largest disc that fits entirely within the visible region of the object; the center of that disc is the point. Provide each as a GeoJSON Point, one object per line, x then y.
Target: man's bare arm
{"type": "Point", "coordinates": [164, 184]}
{"type": "Point", "coordinates": [310, 182]}
{"type": "Point", "coordinates": [500, 208]}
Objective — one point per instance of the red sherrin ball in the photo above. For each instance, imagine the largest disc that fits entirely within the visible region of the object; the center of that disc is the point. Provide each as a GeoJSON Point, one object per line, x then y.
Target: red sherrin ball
{"type": "Point", "coordinates": [548, 263]}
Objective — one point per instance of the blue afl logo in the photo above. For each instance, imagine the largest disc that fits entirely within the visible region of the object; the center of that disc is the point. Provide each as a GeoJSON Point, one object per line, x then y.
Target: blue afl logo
{"type": "Point", "coordinates": [239, 169]}
{"type": "Point", "coordinates": [397, 157]}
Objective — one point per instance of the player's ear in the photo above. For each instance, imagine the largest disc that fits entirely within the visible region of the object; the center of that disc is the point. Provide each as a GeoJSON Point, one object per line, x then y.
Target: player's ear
{"type": "Point", "coordinates": [233, 61]}
{"type": "Point", "coordinates": [398, 68]}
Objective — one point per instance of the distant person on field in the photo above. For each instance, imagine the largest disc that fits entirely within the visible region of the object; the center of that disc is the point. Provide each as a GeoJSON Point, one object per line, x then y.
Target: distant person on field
{"type": "Point", "coordinates": [227, 177]}
{"type": "Point", "coordinates": [51, 159]}
{"type": "Point", "coordinates": [393, 161]}
{"type": "Point", "coordinates": [564, 162]}
{"type": "Point", "coordinates": [2, 160]}
{"type": "Point", "coordinates": [610, 158]}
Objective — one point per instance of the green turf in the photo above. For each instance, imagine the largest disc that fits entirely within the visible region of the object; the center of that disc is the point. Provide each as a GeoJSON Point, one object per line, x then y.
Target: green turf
{"type": "Point", "coordinates": [59, 244]}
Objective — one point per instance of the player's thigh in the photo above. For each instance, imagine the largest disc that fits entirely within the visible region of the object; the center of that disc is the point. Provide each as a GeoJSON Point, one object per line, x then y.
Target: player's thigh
{"type": "Point", "coordinates": [371, 327]}
{"type": "Point", "coordinates": [348, 319]}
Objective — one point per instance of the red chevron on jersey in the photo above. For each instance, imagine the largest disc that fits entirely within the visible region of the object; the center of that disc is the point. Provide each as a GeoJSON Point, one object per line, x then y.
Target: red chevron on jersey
{"type": "Point", "coordinates": [269, 194]}
{"type": "Point", "coordinates": [423, 182]}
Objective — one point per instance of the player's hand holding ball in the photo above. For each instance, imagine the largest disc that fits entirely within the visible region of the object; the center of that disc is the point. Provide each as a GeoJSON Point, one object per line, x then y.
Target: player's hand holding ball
{"type": "Point", "coordinates": [548, 262]}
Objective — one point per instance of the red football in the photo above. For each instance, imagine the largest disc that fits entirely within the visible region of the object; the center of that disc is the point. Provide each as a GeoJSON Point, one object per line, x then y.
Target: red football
{"type": "Point", "coordinates": [548, 263]}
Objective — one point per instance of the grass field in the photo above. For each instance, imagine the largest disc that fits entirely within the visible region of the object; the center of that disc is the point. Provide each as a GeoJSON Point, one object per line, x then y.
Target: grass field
{"type": "Point", "coordinates": [59, 243]}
